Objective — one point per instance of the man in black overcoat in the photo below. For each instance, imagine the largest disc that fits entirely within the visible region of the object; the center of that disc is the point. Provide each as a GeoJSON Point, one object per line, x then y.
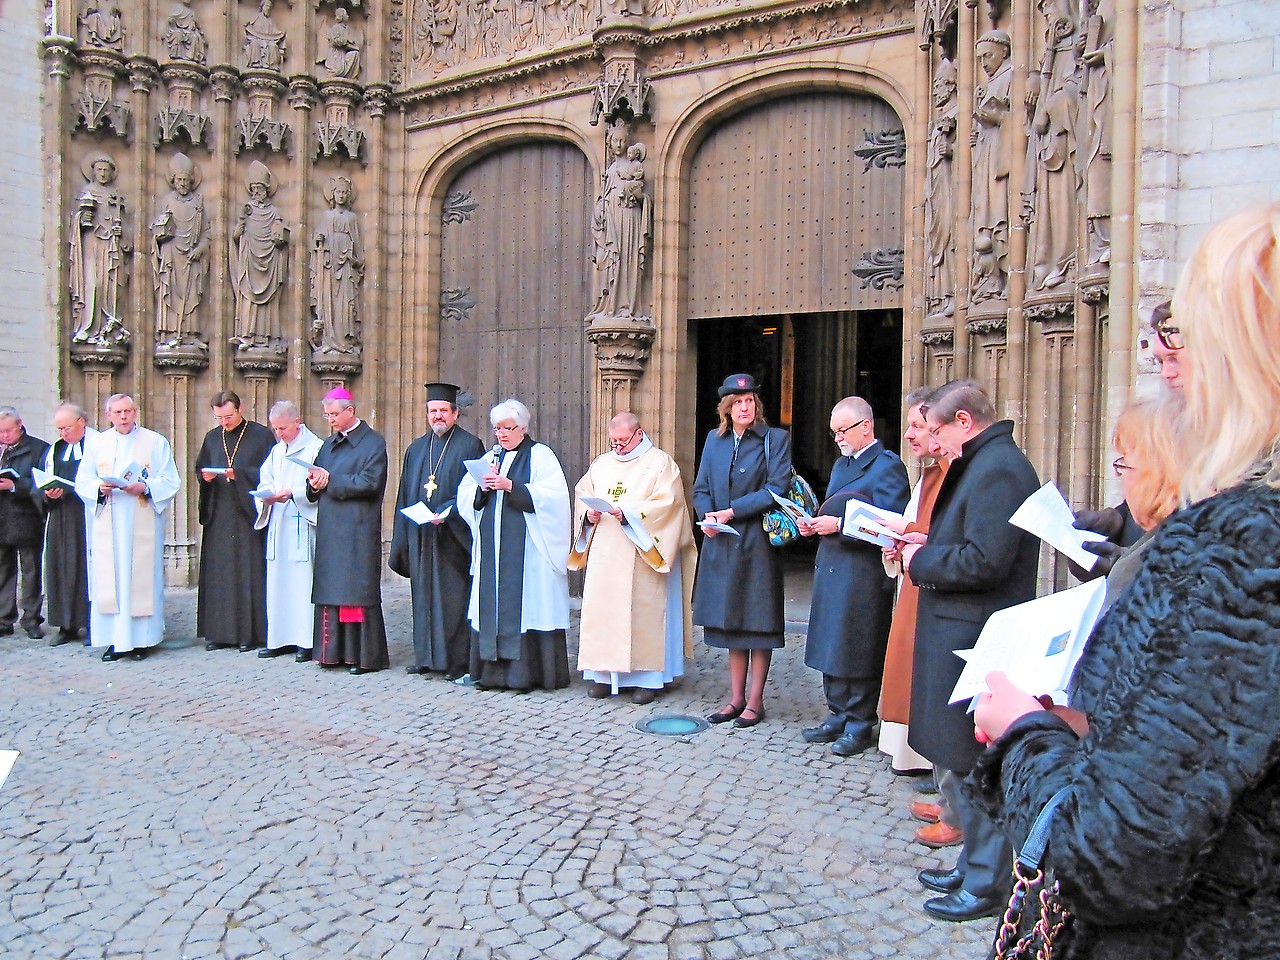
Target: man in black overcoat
{"type": "Point", "coordinates": [348, 480]}
{"type": "Point", "coordinates": [852, 598]}
{"type": "Point", "coordinates": [436, 556]}
{"type": "Point", "coordinates": [66, 569]}
{"type": "Point", "coordinates": [232, 608]}
{"type": "Point", "coordinates": [21, 526]}
{"type": "Point", "coordinates": [973, 563]}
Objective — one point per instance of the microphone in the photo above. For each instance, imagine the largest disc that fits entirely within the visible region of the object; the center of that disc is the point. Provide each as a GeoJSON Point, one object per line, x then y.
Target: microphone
{"type": "Point", "coordinates": [496, 452]}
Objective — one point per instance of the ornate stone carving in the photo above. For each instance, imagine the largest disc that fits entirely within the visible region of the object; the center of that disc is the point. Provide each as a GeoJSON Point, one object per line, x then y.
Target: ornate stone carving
{"type": "Point", "coordinates": [98, 238]}
{"type": "Point", "coordinates": [259, 127]}
{"type": "Point", "coordinates": [264, 46]}
{"type": "Point", "coordinates": [143, 74]}
{"type": "Point", "coordinates": [340, 49]}
{"type": "Point", "coordinates": [1045, 310]}
{"type": "Point", "coordinates": [1050, 195]}
{"type": "Point", "coordinates": [336, 132]}
{"type": "Point", "coordinates": [622, 345]}
{"type": "Point", "coordinates": [936, 18]}
{"type": "Point", "coordinates": [377, 98]}
{"type": "Point", "coordinates": [939, 196]}
{"type": "Point", "coordinates": [59, 55]}
{"type": "Point", "coordinates": [880, 268]}
{"type": "Point", "coordinates": [990, 211]}
{"type": "Point", "coordinates": [621, 228]}
{"type": "Point", "coordinates": [224, 81]}
{"type": "Point", "coordinates": [182, 119]}
{"type": "Point", "coordinates": [885, 148]}
{"type": "Point", "coordinates": [940, 337]}
{"type": "Point", "coordinates": [1098, 58]}
{"type": "Point", "coordinates": [96, 109]}
{"type": "Point", "coordinates": [180, 235]}
{"type": "Point", "coordinates": [101, 25]}
{"type": "Point", "coordinates": [456, 305]}
{"type": "Point", "coordinates": [259, 274]}
{"type": "Point", "coordinates": [622, 92]}
{"type": "Point", "coordinates": [988, 325]}
{"type": "Point", "coordinates": [337, 275]}
{"type": "Point", "coordinates": [458, 207]}
{"type": "Point", "coordinates": [303, 93]}
{"type": "Point", "coordinates": [446, 33]}
{"type": "Point", "coordinates": [182, 36]}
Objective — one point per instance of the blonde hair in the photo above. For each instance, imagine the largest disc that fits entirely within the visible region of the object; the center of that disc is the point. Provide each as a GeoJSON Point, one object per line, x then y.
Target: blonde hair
{"type": "Point", "coordinates": [1228, 309]}
{"type": "Point", "coordinates": [1146, 430]}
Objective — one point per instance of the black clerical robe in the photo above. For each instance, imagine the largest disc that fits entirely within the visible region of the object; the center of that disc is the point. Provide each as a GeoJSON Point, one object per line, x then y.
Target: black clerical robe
{"type": "Point", "coordinates": [232, 608]}
{"type": "Point", "coordinates": [436, 558]}
{"type": "Point", "coordinates": [347, 586]}
{"type": "Point", "coordinates": [66, 570]}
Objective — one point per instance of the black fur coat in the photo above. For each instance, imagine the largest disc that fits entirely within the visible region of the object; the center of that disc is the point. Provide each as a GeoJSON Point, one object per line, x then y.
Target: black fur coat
{"type": "Point", "coordinates": [1169, 845]}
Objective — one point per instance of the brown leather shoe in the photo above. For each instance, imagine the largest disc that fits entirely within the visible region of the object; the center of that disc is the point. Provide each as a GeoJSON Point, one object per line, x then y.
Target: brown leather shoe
{"type": "Point", "coordinates": [598, 691]}
{"type": "Point", "coordinates": [643, 695]}
{"type": "Point", "coordinates": [940, 835]}
{"type": "Point", "coordinates": [926, 811]}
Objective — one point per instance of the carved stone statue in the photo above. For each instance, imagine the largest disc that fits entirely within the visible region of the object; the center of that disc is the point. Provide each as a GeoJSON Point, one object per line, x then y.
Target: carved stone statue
{"type": "Point", "coordinates": [990, 275]}
{"type": "Point", "coordinates": [183, 37]}
{"type": "Point", "coordinates": [99, 256]}
{"type": "Point", "coordinates": [939, 194]}
{"type": "Point", "coordinates": [180, 241]}
{"type": "Point", "coordinates": [101, 25]}
{"type": "Point", "coordinates": [1098, 56]}
{"type": "Point", "coordinates": [337, 272]}
{"type": "Point", "coordinates": [621, 227]}
{"type": "Point", "coordinates": [340, 54]}
{"type": "Point", "coordinates": [449, 32]}
{"type": "Point", "coordinates": [1051, 193]}
{"type": "Point", "coordinates": [263, 41]}
{"type": "Point", "coordinates": [259, 264]}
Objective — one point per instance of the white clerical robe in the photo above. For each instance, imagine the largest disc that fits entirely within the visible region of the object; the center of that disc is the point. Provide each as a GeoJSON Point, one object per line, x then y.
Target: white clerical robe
{"type": "Point", "coordinates": [291, 543]}
{"type": "Point", "coordinates": [114, 521]}
{"type": "Point", "coordinates": [636, 627]}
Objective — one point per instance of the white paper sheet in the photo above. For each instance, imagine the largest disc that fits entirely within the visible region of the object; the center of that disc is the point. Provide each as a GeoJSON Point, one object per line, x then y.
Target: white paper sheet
{"type": "Point", "coordinates": [1045, 513]}
{"type": "Point", "coordinates": [1036, 644]}
{"type": "Point", "coordinates": [7, 760]}
{"type": "Point", "coordinates": [215, 470]}
{"type": "Point", "coordinates": [300, 461]}
{"type": "Point", "coordinates": [420, 513]}
{"type": "Point", "coordinates": [262, 493]}
{"type": "Point", "coordinates": [479, 468]}
{"type": "Point", "coordinates": [718, 527]}
{"type": "Point", "coordinates": [793, 509]}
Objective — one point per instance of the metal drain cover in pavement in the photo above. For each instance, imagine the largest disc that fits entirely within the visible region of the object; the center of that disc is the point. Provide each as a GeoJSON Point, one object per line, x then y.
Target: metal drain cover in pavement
{"type": "Point", "coordinates": [673, 725]}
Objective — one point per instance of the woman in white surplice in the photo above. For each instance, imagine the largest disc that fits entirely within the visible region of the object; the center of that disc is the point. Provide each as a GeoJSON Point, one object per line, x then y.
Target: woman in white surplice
{"type": "Point", "coordinates": [519, 519]}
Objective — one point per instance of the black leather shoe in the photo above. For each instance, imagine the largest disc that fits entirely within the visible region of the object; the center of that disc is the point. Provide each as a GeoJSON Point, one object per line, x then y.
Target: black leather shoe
{"type": "Point", "coordinates": [210, 646]}
{"type": "Point", "coordinates": [744, 722]}
{"type": "Point", "coordinates": [724, 716]}
{"type": "Point", "coordinates": [110, 655]}
{"type": "Point", "coordinates": [267, 653]}
{"type": "Point", "coordinates": [851, 744]}
{"type": "Point", "coordinates": [6, 631]}
{"type": "Point", "coordinates": [140, 654]}
{"type": "Point", "coordinates": [302, 656]}
{"type": "Point", "coordinates": [358, 671]}
{"type": "Point", "coordinates": [64, 635]}
{"type": "Point", "coordinates": [925, 785]}
{"type": "Point", "coordinates": [35, 633]}
{"type": "Point", "coordinates": [414, 671]}
{"type": "Point", "coordinates": [245, 647]}
{"type": "Point", "coordinates": [826, 732]}
{"type": "Point", "coordinates": [962, 905]}
{"type": "Point", "coordinates": [943, 881]}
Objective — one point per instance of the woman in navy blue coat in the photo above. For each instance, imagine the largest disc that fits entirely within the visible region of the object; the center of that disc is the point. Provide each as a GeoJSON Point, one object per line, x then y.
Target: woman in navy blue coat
{"type": "Point", "coordinates": [737, 597]}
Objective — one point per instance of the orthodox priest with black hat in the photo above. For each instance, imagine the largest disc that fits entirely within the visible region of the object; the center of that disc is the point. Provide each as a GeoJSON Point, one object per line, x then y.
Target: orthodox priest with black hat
{"type": "Point", "coordinates": [348, 481]}
{"type": "Point", "coordinates": [431, 543]}
{"type": "Point", "coordinates": [232, 609]}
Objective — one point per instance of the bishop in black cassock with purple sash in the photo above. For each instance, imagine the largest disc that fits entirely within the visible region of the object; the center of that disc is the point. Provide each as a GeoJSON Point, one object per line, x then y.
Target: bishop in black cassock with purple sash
{"type": "Point", "coordinates": [436, 556]}
{"type": "Point", "coordinates": [232, 609]}
{"type": "Point", "coordinates": [348, 481]}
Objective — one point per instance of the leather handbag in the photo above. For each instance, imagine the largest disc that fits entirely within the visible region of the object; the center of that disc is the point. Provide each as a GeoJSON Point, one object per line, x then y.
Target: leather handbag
{"type": "Point", "coordinates": [778, 523]}
{"type": "Point", "coordinates": [1035, 919]}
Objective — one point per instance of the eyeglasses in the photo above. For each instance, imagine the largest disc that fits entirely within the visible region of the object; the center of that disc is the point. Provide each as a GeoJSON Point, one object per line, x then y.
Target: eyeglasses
{"type": "Point", "coordinates": [619, 444]}
{"type": "Point", "coordinates": [507, 429]}
{"type": "Point", "coordinates": [1170, 337]}
{"type": "Point", "coordinates": [1120, 466]}
{"type": "Point", "coordinates": [837, 434]}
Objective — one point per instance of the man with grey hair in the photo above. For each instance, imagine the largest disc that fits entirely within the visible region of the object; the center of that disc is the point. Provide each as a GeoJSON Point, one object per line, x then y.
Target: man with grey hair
{"type": "Point", "coordinates": [852, 599]}
{"type": "Point", "coordinates": [129, 476]}
{"type": "Point", "coordinates": [290, 521]}
{"type": "Point", "coordinates": [21, 526]}
{"type": "Point", "coordinates": [435, 554]}
{"type": "Point", "coordinates": [66, 561]}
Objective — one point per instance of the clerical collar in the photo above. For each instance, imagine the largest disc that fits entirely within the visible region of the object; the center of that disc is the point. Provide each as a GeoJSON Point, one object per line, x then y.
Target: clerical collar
{"type": "Point", "coordinates": [346, 434]}
{"type": "Point", "coordinates": [644, 446]}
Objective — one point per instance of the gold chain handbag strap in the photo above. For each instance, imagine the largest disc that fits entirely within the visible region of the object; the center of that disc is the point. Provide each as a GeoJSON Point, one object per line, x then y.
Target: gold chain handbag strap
{"type": "Point", "coordinates": [1014, 940]}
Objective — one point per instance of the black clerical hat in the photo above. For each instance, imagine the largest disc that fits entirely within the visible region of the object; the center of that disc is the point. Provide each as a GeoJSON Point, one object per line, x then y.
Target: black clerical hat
{"type": "Point", "coordinates": [447, 392]}
{"type": "Point", "coordinates": [738, 383]}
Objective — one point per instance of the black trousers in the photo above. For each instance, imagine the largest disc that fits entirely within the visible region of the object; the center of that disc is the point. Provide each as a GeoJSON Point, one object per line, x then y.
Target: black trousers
{"type": "Point", "coordinates": [24, 561]}
{"type": "Point", "coordinates": [854, 699]}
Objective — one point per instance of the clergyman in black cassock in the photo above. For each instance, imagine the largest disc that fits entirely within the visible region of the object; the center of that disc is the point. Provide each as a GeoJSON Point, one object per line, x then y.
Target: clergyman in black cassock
{"type": "Point", "coordinates": [232, 608]}
{"type": "Point", "coordinates": [348, 481]}
{"type": "Point", "coordinates": [436, 557]}
{"type": "Point", "coordinates": [66, 568]}
{"type": "Point", "coordinates": [21, 527]}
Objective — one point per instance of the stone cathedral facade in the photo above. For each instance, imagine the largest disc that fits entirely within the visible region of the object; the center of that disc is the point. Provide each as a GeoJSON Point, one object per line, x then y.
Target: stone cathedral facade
{"type": "Point", "coordinates": [594, 205]}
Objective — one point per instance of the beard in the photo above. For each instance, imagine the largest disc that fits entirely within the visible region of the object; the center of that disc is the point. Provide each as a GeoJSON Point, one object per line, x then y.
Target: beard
{"type": "Point", "coordinates": [439, 429]}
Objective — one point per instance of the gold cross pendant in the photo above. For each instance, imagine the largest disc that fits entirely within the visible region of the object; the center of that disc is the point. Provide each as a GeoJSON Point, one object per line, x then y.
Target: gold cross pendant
{"type": "Point", "coordinates": [431, 486]}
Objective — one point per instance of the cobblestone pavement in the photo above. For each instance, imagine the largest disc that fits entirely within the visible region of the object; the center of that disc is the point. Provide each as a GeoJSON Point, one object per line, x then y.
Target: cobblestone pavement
{"type": "Point", "coordinates": [217, 805]}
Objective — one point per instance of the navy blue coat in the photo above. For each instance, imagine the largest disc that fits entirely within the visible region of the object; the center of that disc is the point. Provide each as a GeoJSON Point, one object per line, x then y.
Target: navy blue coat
{"type": "Point", "coordinates": [974, 564]}
{"type": "Point", "coordinates": [739, 582]}
{"type": "Point", "coordinates": [852, 597]}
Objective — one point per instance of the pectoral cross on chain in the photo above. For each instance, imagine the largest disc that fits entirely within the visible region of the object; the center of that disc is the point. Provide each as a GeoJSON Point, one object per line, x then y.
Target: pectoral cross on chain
{"type": "Point", "coordinates": [431, 486]}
